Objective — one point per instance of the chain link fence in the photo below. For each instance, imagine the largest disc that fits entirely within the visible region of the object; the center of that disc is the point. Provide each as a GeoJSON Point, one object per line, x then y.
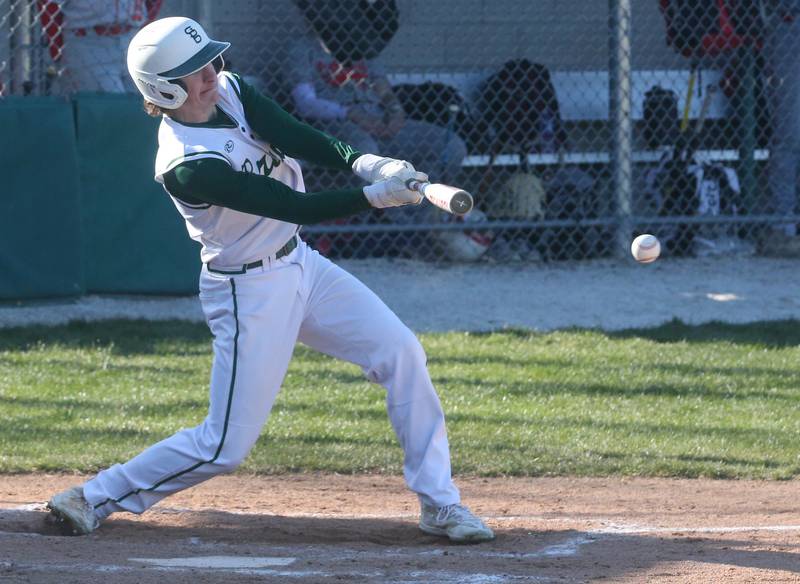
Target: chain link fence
{"type": "Point", "coordinates": [575, 125]}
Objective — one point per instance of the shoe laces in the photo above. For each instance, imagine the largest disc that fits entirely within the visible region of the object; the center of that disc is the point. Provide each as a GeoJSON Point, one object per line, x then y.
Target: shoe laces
{"type": "Point", "coordinates": [455, 511]}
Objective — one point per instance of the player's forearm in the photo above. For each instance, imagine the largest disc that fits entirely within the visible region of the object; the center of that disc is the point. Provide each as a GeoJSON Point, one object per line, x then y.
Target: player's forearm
{"type": "Point", "coordinates": [213, 181]}
{"type": "Point", "coordinates": [292, 136]}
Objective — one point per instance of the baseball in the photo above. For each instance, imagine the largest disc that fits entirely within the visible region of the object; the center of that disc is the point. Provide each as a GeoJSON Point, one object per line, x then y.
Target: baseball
{"type": "Point", "coordinates": [646, 248]}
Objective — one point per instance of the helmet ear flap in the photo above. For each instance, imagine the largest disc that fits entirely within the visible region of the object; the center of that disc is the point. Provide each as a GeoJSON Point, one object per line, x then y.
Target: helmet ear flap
{"type": "Point", "coordinates": [161, 92]}
{"type": "Point", "coordinates": [175, 89]}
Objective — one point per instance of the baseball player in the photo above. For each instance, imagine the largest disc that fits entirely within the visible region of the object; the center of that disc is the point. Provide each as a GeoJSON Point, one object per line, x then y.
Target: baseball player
{"type": "Point", "coordinates": [87, 39]}
{"type": "Point", "coordinates": [227, 159]}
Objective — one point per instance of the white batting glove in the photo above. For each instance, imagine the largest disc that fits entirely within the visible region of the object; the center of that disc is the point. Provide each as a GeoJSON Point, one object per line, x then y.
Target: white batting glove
{"type": "Point", "coordinates": [377, 168]}
{"type": "Point", "coordinates": [391, 193]}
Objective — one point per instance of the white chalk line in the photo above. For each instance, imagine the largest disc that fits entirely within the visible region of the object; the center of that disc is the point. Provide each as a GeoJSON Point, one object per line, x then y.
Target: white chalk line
{"type": "Point", "coordinates": [635, 529]}
{"type": "Point", "coordinates": [415, 577]}
{"type": "Point", "coordinates": [217, 562]}
{"type": "Point", "coordinates": [116, 568]}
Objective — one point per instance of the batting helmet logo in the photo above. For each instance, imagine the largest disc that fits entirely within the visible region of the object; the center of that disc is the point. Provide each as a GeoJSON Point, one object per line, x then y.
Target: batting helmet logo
{"type": "Point", "coordinates": [194, 34]}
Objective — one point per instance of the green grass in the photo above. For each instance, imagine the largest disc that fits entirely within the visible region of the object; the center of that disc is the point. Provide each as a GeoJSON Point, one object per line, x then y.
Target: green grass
{"type": "Point", "coordinates": [713, 401]}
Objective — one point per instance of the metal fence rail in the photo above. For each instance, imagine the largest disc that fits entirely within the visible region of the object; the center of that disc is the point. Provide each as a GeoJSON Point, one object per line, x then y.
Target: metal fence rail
{"type": "Point", "coordinates": [575, 125]}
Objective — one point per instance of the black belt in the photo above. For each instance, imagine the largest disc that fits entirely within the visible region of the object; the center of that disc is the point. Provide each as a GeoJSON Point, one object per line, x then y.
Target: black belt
{"type": "Point", "coordinates": [282, 252]}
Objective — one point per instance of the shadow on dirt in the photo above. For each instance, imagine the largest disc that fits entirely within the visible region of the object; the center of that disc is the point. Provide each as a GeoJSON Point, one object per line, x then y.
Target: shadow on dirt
{"type": "Point", "coordinates": [391, 546]}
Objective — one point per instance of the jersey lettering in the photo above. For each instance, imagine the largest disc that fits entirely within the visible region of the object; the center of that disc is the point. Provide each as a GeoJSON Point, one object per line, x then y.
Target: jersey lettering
{"type": "Point", "coordinates": [265, 167]}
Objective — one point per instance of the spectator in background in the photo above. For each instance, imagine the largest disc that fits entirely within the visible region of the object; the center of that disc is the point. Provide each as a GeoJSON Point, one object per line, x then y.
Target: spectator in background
{"type": "Point", "coordinates": [88, 40]}
{"type": "Point", "coordinates": [781, 49]}
{"type": "Point", "coordinates": [336, 84]}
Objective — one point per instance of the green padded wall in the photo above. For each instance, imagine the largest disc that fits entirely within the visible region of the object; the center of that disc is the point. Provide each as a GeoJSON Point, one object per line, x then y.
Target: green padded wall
{"type": "Point", "coordinates": [134, 239]}
{"type": "Point", "coordinates": [40, 226]}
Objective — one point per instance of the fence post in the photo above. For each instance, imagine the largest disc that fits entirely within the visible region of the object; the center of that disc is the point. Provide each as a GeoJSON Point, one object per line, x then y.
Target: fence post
{"type": "Point", "coordinates": [20, 41]}
{"type": "Point", "coordinates": [620, 117]}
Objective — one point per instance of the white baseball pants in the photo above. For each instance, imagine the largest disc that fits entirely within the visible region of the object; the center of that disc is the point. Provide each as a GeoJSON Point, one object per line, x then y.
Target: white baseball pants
{"type": "Point", "coordinates": [256, 319]}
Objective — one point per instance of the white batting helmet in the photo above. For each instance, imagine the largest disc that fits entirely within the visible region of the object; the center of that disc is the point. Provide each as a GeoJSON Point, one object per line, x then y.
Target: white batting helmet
{"type": "Point", "coordinates": [168, 49]}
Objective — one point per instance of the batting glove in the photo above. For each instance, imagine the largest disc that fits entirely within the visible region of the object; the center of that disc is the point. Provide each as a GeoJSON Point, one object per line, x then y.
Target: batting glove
{"type": "Point", "coordinates": [377, 168]}
{"type": "Point", "coordinates": [391, 193]}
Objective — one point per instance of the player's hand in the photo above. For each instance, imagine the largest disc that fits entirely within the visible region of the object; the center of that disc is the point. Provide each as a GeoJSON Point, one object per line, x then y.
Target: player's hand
{"type": "Point", "coordinates": [377, 168]}
{"type": "Point", "coordinates": [391, 193]}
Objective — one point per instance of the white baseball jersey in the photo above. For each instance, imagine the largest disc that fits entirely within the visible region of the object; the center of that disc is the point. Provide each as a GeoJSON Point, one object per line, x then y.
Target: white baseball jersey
{"type": "Point", "coordinates": [229, 238]}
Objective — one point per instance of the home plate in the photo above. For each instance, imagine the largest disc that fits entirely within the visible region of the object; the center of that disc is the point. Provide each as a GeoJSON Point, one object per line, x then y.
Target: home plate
{"type": "Point", "coordinates": [218, 562]}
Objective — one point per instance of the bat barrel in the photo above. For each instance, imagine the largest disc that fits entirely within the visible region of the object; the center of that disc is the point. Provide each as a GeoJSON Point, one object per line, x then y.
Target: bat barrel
{"type": "Point", "coordinates": [461, 203]}
{"type": "Point", "coordinates": [447, 198]}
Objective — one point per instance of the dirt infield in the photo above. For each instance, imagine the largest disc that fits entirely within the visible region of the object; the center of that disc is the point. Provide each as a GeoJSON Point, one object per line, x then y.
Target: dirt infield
{"type": "Point", "coordinates": [333, 528]}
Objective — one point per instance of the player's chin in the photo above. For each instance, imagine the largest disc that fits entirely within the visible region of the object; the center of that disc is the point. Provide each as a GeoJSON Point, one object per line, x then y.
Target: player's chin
{"type": "Point", "coordinates": [210, 96]}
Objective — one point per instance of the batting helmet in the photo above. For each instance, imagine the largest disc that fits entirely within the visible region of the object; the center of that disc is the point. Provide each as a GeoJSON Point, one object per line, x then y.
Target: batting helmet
{"type": "Point", "coordinates": [166, 50]}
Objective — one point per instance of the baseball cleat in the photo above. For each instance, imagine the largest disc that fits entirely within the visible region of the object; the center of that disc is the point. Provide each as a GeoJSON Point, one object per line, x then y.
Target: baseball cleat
{"type": "Point", "coordinates": [456, 522]}
{"type": "Point", "coordinates": [70, 509]}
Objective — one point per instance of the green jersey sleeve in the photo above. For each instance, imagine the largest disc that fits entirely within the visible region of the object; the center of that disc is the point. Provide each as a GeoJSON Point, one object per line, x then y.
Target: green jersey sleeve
{"type": "Point", "coordinates": [297, 139]}
{"type": "Point", "coordinates": [213, 181]}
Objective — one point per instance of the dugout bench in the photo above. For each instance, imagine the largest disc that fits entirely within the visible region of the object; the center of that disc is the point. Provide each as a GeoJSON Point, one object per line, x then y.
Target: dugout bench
{"type": "Point", "coordinates": [583, 98]}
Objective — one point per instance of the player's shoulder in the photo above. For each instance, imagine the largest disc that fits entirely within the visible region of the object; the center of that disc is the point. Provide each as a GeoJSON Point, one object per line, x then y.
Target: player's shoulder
{"type": "Point", "coordinates": [178, 144]}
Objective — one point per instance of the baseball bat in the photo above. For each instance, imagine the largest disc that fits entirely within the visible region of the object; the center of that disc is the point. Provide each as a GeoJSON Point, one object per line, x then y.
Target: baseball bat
{"type": "Point", "coordinates": [688, 105]}
{"type": "Point", "coordinates": [451, 199]}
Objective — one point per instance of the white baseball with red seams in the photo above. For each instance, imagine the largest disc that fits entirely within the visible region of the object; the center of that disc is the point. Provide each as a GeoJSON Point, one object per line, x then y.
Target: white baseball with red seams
{"type": "Point", "coordinates": [646, 248]}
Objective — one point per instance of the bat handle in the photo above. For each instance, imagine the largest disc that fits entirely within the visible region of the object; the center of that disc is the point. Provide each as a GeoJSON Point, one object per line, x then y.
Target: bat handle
{"type": "Point", "coordinates": [416, 185]}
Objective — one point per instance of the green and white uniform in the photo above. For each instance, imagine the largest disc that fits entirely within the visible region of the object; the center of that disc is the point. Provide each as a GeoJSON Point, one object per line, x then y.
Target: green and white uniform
{"type": "Point", "coordinates": [238, 186]}
{"type": "Point", "coordinates": [228, 236]}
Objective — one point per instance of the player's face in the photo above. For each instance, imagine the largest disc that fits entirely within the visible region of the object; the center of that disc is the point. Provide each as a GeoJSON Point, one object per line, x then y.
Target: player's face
{"type": "Point", "coordinates": [202, 89]}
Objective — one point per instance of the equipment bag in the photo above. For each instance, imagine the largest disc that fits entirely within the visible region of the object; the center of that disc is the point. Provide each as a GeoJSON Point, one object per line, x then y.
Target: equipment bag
{"type": "Point", "coordinates": [661, 119]}
{"type": "Point", "coordinates": [681, 186]}
{"type": "Point", "coordinates": [519, 106]}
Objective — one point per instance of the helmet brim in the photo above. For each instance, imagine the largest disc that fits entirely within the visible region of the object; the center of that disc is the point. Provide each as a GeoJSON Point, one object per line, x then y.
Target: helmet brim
{"type": "Point", "coordinates": [207, 54]}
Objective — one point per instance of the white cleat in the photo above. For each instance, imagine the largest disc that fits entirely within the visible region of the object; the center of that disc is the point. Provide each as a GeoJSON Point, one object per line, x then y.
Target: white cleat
{"type": "Point", "coordinates": [456, 522]}
{"type": "Point", "coordinates": [73, 511]}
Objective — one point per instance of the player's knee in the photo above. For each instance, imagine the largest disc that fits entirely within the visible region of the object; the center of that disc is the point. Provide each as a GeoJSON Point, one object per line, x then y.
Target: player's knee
{"type": "Point", "coordinates": [405, 345]}
{"type": "Point", "coordinates": [399, 350]}
{"type": "Point", "coordinates": [225, 449]}
{"type": "Point", "coordinates": [414, 349]}
{"type": "Point", "coordinates": [226, 465]}
{"type": "Point", "coordinates": [231, 457]}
